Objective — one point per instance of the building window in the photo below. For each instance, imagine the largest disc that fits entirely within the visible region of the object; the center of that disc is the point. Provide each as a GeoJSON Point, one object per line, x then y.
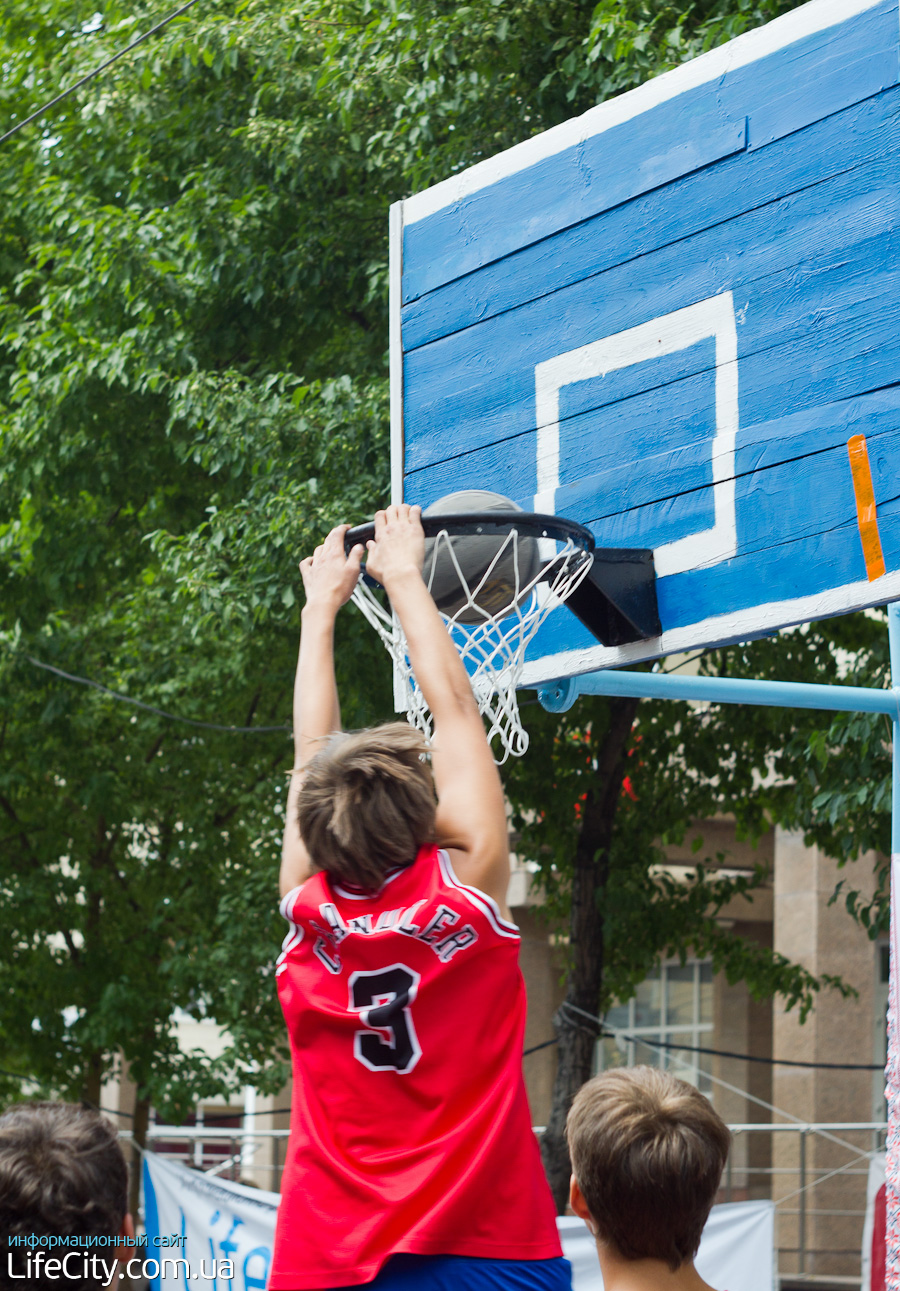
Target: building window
{"type": "Point", "coordinates": [671, 1008]}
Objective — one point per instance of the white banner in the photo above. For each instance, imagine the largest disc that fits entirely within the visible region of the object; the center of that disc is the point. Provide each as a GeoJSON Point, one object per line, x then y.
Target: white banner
{"type": "Point", "coordinates": [204, 1222]}
{"type": "Point", "coordinates": [195, 1223]}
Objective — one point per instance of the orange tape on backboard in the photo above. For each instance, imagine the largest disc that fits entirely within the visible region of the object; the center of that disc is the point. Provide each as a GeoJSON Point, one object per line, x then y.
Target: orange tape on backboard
{"type": "Point", "coordinates": [866, 516]}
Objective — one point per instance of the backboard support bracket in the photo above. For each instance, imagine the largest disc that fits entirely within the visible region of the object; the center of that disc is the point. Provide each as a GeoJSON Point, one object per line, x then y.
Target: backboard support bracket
{"type": "Point", "coordinates": [617, 600]}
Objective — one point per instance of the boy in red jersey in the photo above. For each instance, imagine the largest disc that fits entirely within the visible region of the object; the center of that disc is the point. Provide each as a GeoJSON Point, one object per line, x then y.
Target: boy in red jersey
{"type": "Point", "coordinates": [648, 1152]}
{"type": "Point", "coordinates": [411, 1161]}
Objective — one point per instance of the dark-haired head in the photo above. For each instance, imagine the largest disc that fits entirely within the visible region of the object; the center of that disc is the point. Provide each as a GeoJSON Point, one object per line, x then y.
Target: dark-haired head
{"type": "Point", "coordinates": [62, 1173]}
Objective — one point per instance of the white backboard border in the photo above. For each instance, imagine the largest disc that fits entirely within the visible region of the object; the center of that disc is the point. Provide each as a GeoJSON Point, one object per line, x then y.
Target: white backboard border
{"type": "Point", "coordinates": [713, 317]}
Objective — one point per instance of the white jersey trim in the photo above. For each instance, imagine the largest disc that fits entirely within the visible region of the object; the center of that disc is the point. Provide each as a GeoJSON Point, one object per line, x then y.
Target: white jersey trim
{"type": "Point", "coordinates": [293, 938]}
{"type": "Point", "coordinates": [287, 901]}
{"type": "Point", "coordinates": [487, 905]}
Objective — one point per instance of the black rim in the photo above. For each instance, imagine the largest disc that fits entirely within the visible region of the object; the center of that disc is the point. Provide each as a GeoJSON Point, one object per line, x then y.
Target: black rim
{"type": "Point", "coordinates": [529, 523]}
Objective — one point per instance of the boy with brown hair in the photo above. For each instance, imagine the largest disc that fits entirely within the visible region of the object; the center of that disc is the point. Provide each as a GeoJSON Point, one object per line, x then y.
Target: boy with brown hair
{"type": "Point", "coordinates": [647, 1153]}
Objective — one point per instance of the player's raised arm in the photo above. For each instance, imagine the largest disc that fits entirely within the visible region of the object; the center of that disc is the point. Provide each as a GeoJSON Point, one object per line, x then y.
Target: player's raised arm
{"type": "Point", "coordinates": [329, 577]}
{"type": "Point", "coordinates": [471, 816]}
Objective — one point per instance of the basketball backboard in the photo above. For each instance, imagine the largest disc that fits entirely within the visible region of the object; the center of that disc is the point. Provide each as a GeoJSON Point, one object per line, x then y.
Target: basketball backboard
{"type": "Point", "coordinates": [675, 320]}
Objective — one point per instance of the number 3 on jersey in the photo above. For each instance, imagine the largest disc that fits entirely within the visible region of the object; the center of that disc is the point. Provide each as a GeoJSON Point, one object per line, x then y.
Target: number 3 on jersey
{"type": "Point", "coordinates": [382, 1000]}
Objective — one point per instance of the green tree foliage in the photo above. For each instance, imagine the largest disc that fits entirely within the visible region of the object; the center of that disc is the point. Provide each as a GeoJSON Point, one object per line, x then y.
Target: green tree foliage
{"type": "Point", "coordinates": [168, 450]}
{"type": "Point", "coordinates": [828, 775]}
{"type": "Point", "coordinates": [137, 851]}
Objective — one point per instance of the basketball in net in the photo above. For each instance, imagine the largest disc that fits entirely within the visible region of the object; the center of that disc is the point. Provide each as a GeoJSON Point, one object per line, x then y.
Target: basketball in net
{"type": "Point", "coordinates": [495, 572]}
{"type": "Point", "coordinates": [473, 577]}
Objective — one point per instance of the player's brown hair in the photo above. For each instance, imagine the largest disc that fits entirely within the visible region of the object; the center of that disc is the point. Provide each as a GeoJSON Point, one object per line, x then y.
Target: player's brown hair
{"type": "Point", "coordinates": [367, 803]}
{"type": "Point", "coordinates": [647, 1152]}
{"type": "Point", "coordinates": [62, 1173]}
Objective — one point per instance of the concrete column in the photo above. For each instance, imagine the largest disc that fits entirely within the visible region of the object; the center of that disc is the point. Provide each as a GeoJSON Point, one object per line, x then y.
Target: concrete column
{"type": "Point", "coordinates": [818, 933]}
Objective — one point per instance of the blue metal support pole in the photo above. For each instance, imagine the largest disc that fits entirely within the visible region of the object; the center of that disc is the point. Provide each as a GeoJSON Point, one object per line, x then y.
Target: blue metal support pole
{"type": "Point", "coordinates": [892, 1086]}
{"type": "Point", "coordinates": [558, 696]}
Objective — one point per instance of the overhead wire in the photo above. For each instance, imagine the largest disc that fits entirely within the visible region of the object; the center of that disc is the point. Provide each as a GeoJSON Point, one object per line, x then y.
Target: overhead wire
{"type": "Point", "coordinates": [683, 664]}
{"type": "Point", "coordinates": [715, 1080]}
{"type": "Point", "coordinates": [16, 1075]}
{"type": "Point", "coordinates": [89, 76]}
{"type": "Point", "coordinates": [150, 708]}
{"type": "Point", "coordinates": [85, 681]}
{"type": "Point", "coordinates": [604, 1031]}
{"type": "Point", "coordinates": [607, 1033]}
{"type": "Point", "coordinates": [536, 1047]}
{"type": "Point", "coordinates": [39, 112]}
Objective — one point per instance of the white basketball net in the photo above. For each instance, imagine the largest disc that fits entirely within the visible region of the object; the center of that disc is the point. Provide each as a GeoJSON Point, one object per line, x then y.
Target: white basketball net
{"type": "Point", "coordinates": [492, 650]}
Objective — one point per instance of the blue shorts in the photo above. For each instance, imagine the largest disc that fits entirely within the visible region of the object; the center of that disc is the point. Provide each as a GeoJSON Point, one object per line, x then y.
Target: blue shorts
{"type": "Point", "coordinates": [465, 1273]}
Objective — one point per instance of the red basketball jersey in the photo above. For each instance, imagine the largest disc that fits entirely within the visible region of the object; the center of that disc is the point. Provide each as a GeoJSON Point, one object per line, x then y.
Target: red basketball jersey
{"type": "Point", "coordinates": [410, 1128]}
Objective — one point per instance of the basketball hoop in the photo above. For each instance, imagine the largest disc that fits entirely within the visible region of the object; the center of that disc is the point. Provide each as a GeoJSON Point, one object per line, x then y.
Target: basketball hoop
{"type": "Point", "coordinates": [497, 609]}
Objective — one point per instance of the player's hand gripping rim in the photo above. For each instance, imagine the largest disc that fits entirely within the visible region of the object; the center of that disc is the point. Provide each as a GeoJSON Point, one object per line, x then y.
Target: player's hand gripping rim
{"type": "Point", "coordinates": [329, 575]}
{"type": "Point", "coordinates": [398, 548]}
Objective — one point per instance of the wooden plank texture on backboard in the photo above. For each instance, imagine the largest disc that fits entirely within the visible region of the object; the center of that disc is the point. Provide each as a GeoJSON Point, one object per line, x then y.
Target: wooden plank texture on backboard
{"type": "Point", "coordinates": [812, 276]}
{"type": "Point", "coordinates": [866, 133]}
{"type": "Point", "coordinates": [769, 98]}
{"type": "Point", "coordinates": [671, 328]}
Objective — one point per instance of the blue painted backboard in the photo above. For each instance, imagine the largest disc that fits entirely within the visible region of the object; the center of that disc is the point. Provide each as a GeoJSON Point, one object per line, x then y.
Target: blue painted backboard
{"type": "Point", "coordinates": [676, 319]}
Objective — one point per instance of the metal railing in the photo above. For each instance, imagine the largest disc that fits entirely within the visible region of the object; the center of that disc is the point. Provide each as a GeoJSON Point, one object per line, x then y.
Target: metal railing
{"type": "Point", "coordinates": [223, 1150]}
{"type": "Point", "coordinates": [816, 1173]}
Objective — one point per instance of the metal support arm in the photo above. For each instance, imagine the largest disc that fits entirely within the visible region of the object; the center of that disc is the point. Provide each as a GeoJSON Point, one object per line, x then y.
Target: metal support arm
{"type": "Point", "coordinates": [559, 696]}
